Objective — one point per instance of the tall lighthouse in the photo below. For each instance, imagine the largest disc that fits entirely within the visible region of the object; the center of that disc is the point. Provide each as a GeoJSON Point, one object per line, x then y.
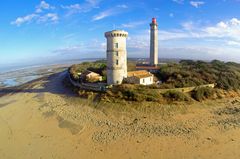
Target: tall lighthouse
{"type": "Point", "coordinates": [154, 43]}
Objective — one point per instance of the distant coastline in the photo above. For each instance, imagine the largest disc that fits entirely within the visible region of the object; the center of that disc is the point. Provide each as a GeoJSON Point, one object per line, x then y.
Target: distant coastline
{"type": "Point", "coordinates": [21, 66]}
{"type": "Point", "coordinates": [15, 75]}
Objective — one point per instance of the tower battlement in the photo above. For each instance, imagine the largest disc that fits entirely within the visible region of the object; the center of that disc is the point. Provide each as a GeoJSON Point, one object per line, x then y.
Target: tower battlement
{"type": "Point", "coordinates": [116, 33]}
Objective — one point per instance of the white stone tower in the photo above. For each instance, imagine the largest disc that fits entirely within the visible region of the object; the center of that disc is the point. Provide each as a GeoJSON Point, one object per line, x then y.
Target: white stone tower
{"type": "Point", "coordinates": [154, 42]}
{"type": "Point", "coordinates": [116, 56]}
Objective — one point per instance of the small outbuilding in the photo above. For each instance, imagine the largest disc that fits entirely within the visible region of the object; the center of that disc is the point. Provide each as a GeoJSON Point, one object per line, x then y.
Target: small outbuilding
{"type": "Point", "coordinates": [142, 77]}
{"type": "Point", "coordinates": [90, 76]}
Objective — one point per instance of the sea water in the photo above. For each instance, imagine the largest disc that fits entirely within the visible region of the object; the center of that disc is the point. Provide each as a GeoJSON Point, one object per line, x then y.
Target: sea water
{"type": "Point", "coordinates": [20, 76]}
{"type": "Point", "coordinates": [16, 75]}
{"type": "Point", "coordinates": [9, 82]}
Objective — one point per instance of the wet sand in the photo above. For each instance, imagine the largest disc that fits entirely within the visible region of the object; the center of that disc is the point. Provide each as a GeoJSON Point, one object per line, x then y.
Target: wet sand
{"type": "Point", "coordinates": [45, 120]}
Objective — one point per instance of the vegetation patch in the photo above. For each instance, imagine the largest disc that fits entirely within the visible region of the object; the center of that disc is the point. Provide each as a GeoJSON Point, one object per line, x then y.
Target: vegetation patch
{"type": "Point", "coordinates": [202, 93]}
{"type": "Point", "coordinates": [138, 93]}
{"type": "Point", "coordinates": [176, 96]}
{"type": "Point", "coordinates": [229, 111]}
{"type": "Point", "coordinates": [186, 73]}
{"type": "Point", "coordinates": [97, 66]}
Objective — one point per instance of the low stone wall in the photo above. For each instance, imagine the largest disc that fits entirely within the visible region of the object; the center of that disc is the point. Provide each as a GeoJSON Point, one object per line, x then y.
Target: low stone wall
{"type": "Point", "coordinates": [103, 88]}
{"type": "Point", "coordinates": [187, 89]}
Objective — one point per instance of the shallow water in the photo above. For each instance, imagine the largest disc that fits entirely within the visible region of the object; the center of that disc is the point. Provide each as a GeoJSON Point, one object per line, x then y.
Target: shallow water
{"type": "Point", "coordinates": [18, 77]}
{"type": "Point", "coordinates": [9, 82]}
{"type": "Point", "coordinates": [18, 81]}
{"type": "Point", "coordinates": [13, 76]}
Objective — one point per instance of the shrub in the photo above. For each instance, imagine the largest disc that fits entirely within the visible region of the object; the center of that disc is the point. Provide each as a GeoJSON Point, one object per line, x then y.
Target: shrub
{"type": "Point", "coordinates": [175, 96]}
{"type": "Point", "coordinates": [138, 93]}
{"type": "Point", "coordinates": [194, 73]}
{"type": "Point", "coordinates": [97, 66]}
{"type": "Point", "coordinates": [202, 93]}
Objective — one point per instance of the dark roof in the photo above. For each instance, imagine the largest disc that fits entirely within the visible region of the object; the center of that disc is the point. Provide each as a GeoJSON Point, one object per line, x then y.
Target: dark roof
{"type": "Point", "coordinates": [147, 67]}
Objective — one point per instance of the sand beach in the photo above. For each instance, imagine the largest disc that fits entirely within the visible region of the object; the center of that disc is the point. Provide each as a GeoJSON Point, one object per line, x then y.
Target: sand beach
{"type": "Point", "coordinates": [43, 119]}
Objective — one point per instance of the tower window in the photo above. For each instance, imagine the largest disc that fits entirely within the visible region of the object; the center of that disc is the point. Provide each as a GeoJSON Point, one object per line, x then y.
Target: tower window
{"type": "Point", "coordinates": [116, 62]}
{"type": "Point", "coordinates": [117, 53]}
{"type": "Point", "coordinates": [116, 45]}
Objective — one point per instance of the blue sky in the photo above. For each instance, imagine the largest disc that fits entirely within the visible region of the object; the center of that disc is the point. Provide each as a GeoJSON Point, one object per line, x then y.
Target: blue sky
{"type": "Point", "coordinates": [48, 30]}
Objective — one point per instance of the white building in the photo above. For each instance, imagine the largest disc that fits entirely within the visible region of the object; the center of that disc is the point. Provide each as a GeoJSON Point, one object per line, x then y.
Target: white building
{"type": "Point", "coordinates": [90, 76]}
{"type": "Point", "coordinates": [116, 56]}
{"type": "Point", "coordinates": [140, 77]}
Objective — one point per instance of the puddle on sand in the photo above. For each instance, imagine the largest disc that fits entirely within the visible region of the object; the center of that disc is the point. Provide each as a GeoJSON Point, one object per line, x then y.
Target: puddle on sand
{"type": "Point", "coordinates": [73, 128]}
{"type": "Point", "coordinates": [49, 114]}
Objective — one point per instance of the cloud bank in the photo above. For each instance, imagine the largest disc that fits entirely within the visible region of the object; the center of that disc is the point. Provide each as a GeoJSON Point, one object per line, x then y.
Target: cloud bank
{"type": "Point", "coordinates": [38, 16]}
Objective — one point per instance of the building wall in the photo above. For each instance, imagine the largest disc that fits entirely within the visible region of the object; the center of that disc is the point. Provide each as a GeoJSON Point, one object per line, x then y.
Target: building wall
{"type": "Point", "coordinates": [187, 89]}
{"type": "Point", "coordinates": [142, 81]}
{"type": "Point", "coordinates": [132, 80]}
{"type": "Point", "coordinates": [116, 56]}
{"type": "Point", "coordinates": [146, 81]}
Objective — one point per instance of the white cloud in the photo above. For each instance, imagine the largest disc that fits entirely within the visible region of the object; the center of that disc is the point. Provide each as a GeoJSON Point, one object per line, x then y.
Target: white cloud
{"type": "Point", "coordinates": [197, 4]}
{"type": "Point", "coordinates": [178, 1]}
{"type": "Point", "coordinates": [222, 25]}
{"type": "Point", "coordinates": [227, 29]}
{"type": "Point", "coordinates": [104, 14]}
{"type": "Point", "coordinates": [133, 24]}
{"type": "Point", "coordinates": [235, 22]}
{"type": "Point", "coordinates": [72, 6]}
{"type": "Point", "coordinates": [26, 19]}
{"type": "Point", "coordinates": [219, 41]}
{"type": "Point", "coordinates": [43, 6]}
{"type": "Point", "coordinates": [109, 12]}
{"type": "Point", "coordinates": [38, 16]}
{"type": "Point", "coordinates": [50, 17]}
{"type": "Point", "coordinates": [233, 43]}
{"type": "Point", "coordinates": [196, 42]}
{"type": "Point", "coordinates": [122, 6]}
{"type": "Point", "coordinates": [187, 25]}
{"type": "Point", "coordinates": [93, 2]}
{"type": "Point", "coordinates": [86, 6]}
{"type": "Point", "coordinates": [90, 49]}
{"type": "Point", "coordinates": [224, 29]}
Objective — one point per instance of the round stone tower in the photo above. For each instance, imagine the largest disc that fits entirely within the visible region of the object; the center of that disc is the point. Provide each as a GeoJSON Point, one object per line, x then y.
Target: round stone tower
{"type": "Point", "coordinates": [116, 56]}
{"type": "Point", "coordinates": [154, 42]}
